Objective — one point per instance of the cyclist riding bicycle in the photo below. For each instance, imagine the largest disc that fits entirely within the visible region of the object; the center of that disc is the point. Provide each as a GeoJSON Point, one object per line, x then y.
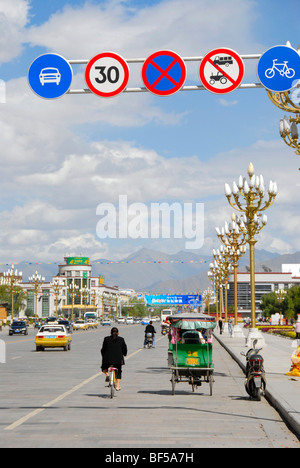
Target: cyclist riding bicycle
{"type": "Point", "coordinates": [113, 351]}
{"type": "Point", "coordinates": [150, 329]}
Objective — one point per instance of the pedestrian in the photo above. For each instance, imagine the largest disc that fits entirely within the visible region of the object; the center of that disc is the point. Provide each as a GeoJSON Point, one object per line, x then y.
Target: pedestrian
{"type": "Point", "coordinates": [113, 351]}
{"type": "Point", "coordinates": [230, 326]}
{"type": "Point", "coordinates": [221, 325]}
{"type": "Point", "coordinates": [297, 328]}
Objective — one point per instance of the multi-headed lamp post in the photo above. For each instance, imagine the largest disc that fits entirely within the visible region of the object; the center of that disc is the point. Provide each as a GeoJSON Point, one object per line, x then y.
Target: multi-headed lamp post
{"type": "Point", "coordinates": [249, 199]}
{"type": "Point", "coordinates": [223, 261]}
{"type": "Point", "coordinates": [12, 278]}
{"type": "Point", "coordinates": [233, 235]}
{"type": "Point", "coordinates": [215, 275]}
{"type": "Point", "coordinates": [56, 287]}
{"type": "Point", "coordinates": [36, 280]}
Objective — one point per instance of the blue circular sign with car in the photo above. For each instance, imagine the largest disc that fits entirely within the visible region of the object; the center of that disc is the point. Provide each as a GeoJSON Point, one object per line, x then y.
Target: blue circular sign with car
{"type": "Point", "coordinates": [50, 76]}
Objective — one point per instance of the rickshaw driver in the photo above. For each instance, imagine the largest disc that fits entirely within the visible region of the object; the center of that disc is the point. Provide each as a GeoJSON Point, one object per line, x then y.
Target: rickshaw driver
{"type": "Point", "coordinates": [150, 329]}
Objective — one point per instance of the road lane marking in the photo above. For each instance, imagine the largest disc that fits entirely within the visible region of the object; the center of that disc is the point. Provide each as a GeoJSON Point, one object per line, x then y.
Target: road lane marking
{"type": "Point", "coordinates": [21, 421]}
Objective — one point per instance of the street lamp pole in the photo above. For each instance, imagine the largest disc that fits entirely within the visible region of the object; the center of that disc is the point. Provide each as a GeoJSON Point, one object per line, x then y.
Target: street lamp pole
{"type": "Point", "coordinates": [12, 278]}
{"type": "Point", "coordinates": [56, 286]}
{"type": "Point", "coordinates": [249, 199]}
{"type": "Point", "coordinates": [36, 280]}
{"type": "Point", "coordinates": [233, 235]}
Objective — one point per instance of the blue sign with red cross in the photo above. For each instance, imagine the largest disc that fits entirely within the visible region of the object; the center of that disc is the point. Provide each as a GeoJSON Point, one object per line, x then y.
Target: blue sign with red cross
{"type": "Point", "coordinates": [164, 73]}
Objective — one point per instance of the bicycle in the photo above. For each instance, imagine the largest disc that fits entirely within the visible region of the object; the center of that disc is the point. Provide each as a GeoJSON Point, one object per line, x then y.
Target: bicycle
{"type": "Point", "coordinates": [284, 71]}
{"type": "Point", "coordinates": [112, 380]}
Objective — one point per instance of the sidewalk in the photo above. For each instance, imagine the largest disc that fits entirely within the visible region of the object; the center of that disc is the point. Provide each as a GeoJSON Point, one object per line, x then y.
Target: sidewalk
{"type": "Point", "coordinates": [282, 392]}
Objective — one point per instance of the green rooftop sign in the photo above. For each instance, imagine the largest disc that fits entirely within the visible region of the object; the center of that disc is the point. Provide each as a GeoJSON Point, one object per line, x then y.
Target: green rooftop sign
{"type": "Point", "coordinates": [78, 260]}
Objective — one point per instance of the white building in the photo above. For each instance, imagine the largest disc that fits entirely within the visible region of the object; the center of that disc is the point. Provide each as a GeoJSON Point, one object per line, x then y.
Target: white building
{"type": "Point", "coordinates": [77, 291]}
{"type": "Point", "coordinates": [264, 284]}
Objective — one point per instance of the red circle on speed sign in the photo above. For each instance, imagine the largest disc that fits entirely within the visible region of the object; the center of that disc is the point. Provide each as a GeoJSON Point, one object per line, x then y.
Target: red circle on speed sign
{"type": "Point", "coordinates": [221, 71]}
{"type": "Point", "coordinates": [107, 74]}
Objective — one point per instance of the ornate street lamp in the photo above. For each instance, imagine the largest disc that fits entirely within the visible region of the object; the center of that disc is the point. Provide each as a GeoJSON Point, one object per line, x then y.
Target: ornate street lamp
{"type": "Point", "coordinates": [56, 287]}
{"type": "Point", "coordinates": [12, 278]}
{"type": "Point", "coordinates": [72, 289]}
{"type": "Point", "coordinates": [223, 261]}
{"type": "Point", "coordinates": [233, 235]}
{"type": "Point", "coordinates": [289, 101]}
{"type": "Point", "coordinates": [36, 280]}
{"type": "Point", "coordinates": [249, 199]}
{"type": "Point", "coordinates": [215, 275]}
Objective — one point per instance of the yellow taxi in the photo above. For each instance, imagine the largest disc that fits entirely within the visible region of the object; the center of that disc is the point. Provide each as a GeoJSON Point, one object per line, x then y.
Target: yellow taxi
{"type": "Point", "coordinates": [80, 325]}
{"type": "Point", "coordinates": [92, 324]}
{"type": "Point", "coordinates": [53, 336]}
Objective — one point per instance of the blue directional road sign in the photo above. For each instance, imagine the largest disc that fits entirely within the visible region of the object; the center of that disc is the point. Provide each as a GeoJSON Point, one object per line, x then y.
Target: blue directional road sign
{"type": "Point", "coordinates": [279, 68]}
{"type": "Point", "coordinates": [50, 76]}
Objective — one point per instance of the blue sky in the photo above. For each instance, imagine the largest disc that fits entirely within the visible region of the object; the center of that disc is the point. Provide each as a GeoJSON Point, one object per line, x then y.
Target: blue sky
{"type": "Point", "coordinates": [61, 159]}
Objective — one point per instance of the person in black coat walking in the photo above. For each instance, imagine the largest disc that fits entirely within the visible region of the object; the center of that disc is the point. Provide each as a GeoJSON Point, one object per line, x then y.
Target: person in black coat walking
{"type": "Point", "coordinates": [113, 351]}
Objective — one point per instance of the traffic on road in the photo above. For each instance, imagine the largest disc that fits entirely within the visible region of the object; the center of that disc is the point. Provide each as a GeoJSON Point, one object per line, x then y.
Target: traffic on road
{"type": "Point", "coordinates": [51, 398]}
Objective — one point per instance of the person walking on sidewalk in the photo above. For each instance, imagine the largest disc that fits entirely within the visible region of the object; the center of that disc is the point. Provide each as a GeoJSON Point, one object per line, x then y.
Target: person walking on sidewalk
{"type": "Point", "coordinates": [221, 325]}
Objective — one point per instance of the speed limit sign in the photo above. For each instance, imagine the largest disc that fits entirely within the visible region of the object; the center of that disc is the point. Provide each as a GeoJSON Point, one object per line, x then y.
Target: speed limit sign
{"type": "Point", "coordinates": [107, 74]}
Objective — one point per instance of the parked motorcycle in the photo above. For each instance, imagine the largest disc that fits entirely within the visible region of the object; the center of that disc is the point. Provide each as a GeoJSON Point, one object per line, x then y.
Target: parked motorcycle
{"type": "Point", "coordinates": [255, 374]}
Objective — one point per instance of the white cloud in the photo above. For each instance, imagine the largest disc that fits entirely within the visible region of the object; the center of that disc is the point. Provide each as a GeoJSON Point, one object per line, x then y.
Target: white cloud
{"type": "Point", "coordinates": [53, 176]}
{"type": "Point", "coordinates": [13, 19]}
{"type": "Point", "coordinates": [226, 103]}
{"type": "Point", "coordinates": [190, 26]}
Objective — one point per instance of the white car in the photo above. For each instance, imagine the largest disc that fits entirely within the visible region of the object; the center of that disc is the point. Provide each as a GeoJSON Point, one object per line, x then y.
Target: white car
{"type": "Point", "coordinates": [129, 320]}
{"type": "Point", "coordinates": [49, 75]}
{"type": "Point", "coordinates": [121, 320]}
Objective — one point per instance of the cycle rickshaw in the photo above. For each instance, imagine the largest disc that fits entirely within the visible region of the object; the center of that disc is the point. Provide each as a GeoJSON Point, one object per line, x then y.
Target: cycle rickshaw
{"type": "Point", "coordinates": [190, 353]}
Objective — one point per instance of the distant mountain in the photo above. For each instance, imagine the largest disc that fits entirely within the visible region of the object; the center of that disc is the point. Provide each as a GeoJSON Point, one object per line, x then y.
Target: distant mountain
{"type": "Point", "coordinates": [157, 272]}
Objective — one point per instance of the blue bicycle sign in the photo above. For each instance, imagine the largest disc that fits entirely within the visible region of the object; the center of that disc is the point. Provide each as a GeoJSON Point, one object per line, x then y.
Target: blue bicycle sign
{"type": "Point", "coordinates": [279, 68]}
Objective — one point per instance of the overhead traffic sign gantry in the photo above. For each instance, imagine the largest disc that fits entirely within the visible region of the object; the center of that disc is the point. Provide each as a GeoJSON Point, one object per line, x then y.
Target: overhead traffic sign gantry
{"type": "Point", "coordinates": [164, 73]}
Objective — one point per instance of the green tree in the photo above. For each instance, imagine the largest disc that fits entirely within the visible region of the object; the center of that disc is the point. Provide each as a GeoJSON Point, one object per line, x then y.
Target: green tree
{"type": "Point", "coordinates": [136, 308]}
{"type": "Point", "coordinates": [270, 304]}
{"type": "Point", "coordinates": [5, 296]}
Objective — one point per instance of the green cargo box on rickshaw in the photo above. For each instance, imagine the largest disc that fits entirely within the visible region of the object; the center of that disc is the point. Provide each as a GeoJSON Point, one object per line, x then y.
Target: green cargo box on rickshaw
{"type": "Point", "coordinates": [190, 356]}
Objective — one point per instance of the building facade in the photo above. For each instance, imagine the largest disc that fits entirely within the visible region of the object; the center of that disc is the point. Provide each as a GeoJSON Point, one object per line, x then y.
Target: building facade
{"type": "Point", "coordinates": [265, 283]}
{"type": "Point", "coordinates": [74, 292]}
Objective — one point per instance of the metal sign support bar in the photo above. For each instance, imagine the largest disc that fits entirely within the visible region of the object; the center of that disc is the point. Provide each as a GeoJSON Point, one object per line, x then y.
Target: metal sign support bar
{"type": "Point", "coordinates": [184, 88]}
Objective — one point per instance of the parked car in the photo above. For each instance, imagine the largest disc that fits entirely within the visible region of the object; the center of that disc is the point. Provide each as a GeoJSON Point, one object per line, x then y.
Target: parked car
{"type": "Point", "coordinates": [18, 327]}
{"type": "Point", "coordinates": [129, 320]}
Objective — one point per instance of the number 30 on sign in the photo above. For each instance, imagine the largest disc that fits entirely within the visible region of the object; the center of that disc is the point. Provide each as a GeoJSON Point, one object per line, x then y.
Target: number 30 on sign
{"type": "Point", "coordinates": [107, 74]}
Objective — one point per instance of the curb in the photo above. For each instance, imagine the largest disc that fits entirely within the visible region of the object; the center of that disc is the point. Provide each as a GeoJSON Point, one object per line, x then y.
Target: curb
{"type": "Point", "coordinates": [288, 413]}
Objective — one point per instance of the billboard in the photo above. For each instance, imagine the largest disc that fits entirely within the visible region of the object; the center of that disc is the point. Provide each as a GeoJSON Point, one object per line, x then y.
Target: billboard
{"type": "Point", "coordinates": [174, 299]}
{"type": "Point", "coordinates": [78, 260]}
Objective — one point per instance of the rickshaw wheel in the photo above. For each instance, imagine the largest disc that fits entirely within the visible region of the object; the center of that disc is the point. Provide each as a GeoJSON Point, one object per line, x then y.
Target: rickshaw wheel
{"type": "Point", "coordinates": [211, 381]}
{"type": "Point", "coordinates": [173, 382]}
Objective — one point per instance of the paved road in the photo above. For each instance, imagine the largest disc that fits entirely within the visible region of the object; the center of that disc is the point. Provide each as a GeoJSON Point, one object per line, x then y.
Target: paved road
{"type": "Point", "coordinates": [59, 399]}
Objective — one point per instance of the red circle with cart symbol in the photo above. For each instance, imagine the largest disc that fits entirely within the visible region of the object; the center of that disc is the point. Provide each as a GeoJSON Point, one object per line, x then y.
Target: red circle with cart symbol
{"type": "Point", "coordinates": [221, 71]}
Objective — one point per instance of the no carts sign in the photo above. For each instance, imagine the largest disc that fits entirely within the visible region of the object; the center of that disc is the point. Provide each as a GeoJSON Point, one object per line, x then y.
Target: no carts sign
{"type": "Point", "coordinates": [221, 71]}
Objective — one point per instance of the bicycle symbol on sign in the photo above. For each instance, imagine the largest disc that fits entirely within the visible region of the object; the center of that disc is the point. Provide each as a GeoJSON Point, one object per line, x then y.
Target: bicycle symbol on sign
{"type": "Point", "coordinates": [283, 71]}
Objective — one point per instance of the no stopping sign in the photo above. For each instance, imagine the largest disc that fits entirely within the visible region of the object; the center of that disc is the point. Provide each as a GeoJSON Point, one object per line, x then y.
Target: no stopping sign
{"type": "Point", "coordinates": [221, 71]}
{"type": "Point", "coordinates": [107, 74]}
